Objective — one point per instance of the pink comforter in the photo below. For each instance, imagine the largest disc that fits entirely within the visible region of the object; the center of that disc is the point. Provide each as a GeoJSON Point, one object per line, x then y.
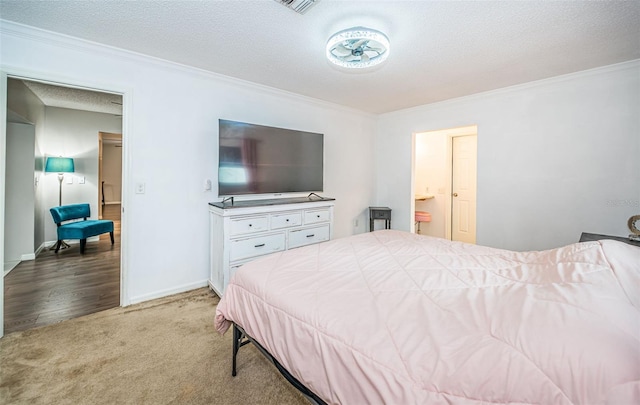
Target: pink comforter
{"type": "Point", "coordinates": [390, 317]}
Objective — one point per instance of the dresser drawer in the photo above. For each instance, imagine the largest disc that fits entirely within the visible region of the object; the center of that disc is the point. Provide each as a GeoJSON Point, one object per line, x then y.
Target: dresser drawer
{"type": "Point", "coordinates": [232, 270]}
{"type": "Point", "coordinates": [308, 236]}
{"type": "Point", "coordinates": [315, 216]}
{"type": "Point", "coordinates": [243, 226]}
{"type": "Point", "coordinates": [279, 221]}
{"type": "Point", "coordinates": [258, 246]}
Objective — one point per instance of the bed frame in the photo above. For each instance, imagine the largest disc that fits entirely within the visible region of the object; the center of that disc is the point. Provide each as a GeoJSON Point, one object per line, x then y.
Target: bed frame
{"type": "Point", "coordinates": [241, 338]}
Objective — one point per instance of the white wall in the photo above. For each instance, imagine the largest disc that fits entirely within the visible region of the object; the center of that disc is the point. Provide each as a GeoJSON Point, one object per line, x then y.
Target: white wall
{"type": "Point", "coordinates": [74, 134]}
{"type": "Point", "coordinates": [170, 144]}
{"type": "Point", "coordinates": [24, 103]}
{"type": "Point", "coordinates": [19, 193]}
{"type": "Point", "coordinates": [555, 158]}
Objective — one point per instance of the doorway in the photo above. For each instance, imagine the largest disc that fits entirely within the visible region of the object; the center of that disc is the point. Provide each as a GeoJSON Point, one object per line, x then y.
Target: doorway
{"type": "Point", "coordinates": [109, 173]}
{"type": "Point", "coordinates": [445, 186]}
{"type": "Point", "coordinates": [62, 129]}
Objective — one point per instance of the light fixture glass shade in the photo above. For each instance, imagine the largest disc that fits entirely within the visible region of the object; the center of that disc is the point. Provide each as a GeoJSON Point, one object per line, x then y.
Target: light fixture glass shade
{"type": "Point", "coordinates": [358, 48]}
{"type": "Point", "coordinates": [59, 165]}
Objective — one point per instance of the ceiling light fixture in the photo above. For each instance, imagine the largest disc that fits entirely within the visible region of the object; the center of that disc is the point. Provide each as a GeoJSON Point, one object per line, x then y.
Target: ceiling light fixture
{"type": "Point", "coordinates": [358, 48]}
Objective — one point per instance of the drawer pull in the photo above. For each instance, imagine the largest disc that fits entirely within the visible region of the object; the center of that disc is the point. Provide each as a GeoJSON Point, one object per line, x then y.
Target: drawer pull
{"type": "Point", "coordinates": [311, 236]}
{"type": "Point", "coordinates": [250, 225]}
{"type": "Point", "coordinates": [260, 245]}
{"type": "Point", "coordinates": [287, 219]}
{"type": "Point", "coordinates": [318, 216]}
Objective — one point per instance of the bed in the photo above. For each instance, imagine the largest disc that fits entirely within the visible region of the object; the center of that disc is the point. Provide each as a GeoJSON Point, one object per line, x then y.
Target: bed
{"type": "Point", "coordinates": [391, 317]}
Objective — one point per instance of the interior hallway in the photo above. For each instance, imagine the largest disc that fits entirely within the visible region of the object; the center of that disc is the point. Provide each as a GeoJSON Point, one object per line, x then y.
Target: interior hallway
{"type": "Point", "coordinates": [55, 287]}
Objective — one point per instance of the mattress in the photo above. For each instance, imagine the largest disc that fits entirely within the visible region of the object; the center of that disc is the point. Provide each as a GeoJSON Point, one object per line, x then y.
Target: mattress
{"type": "Point", "coordinates": [390, 317]}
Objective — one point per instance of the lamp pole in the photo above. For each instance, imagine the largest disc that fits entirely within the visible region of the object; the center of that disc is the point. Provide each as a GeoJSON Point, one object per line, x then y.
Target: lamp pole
{"type": "Point", "coordinates": [60, 178]}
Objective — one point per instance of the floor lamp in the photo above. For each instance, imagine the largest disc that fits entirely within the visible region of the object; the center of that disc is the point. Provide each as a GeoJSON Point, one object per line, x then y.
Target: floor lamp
{"type": "Point", "coordinates": [60, 165]}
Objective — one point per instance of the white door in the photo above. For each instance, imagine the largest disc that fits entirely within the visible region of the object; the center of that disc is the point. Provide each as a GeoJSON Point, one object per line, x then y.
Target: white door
{"type": "Point", "coordinates": [463, 189]}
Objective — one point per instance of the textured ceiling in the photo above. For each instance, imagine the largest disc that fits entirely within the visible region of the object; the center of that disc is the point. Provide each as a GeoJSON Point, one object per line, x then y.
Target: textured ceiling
{"type": "Point", "coordinates": [76, 99]}
{"type": "Point", "coordinates": [439, 49]}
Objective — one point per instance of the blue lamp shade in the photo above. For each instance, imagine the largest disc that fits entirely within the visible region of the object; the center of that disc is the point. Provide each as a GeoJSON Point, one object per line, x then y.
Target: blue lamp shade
{"type": "Point", "coordinates": [59, 165]}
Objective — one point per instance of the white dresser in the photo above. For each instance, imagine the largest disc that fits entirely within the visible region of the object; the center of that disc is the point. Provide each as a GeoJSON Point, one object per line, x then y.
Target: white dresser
{"type": "Point", "coordinates": [249, 229]}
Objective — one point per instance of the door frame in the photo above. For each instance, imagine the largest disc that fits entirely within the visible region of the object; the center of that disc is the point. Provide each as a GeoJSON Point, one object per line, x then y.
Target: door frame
{"type": "Point", "coordinates": [451, 133]}
{"type": "Point", "coordinates": [104, 137]}
{"type": "Point", "coordinates": [7, 72]}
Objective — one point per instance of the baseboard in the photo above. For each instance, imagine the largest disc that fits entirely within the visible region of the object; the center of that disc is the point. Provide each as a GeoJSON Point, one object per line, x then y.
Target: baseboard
{"type": "Point", "coordinates": [11, 264]}
{"type": "Point", "coordinates": [40, 248]}
{"type": "Point", "coordinates": [166, 293]}
{"type": "Point", "coordinates": [8, 266]}
{"type": "Point", "coordinates": [28, 256]}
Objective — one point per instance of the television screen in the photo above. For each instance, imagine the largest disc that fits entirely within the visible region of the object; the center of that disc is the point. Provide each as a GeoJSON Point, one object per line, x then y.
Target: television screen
{"type": "Point", "coordinates": [256, 159]}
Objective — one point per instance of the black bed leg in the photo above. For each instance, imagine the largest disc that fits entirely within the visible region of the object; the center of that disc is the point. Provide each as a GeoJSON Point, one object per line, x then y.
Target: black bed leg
{"type": "Point", "coordinates": [237, 335]}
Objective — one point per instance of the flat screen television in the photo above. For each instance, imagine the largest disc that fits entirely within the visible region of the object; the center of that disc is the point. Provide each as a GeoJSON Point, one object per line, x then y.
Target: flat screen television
{"type": "Point", "coordinates": [257, 159]}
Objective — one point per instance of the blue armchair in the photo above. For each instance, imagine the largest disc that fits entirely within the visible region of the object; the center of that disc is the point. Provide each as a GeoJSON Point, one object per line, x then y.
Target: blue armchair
{"type": "Point", "coordinates": [78, 229]}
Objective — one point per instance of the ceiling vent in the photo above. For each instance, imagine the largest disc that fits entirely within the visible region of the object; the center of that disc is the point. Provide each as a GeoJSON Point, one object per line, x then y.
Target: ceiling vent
{"type": "Point", "coordinates": [299, 6]}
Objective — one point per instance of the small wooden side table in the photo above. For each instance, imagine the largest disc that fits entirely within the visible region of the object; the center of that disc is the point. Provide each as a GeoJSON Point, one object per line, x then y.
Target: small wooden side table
{"type": "Point", "coordinates": [380, 213]}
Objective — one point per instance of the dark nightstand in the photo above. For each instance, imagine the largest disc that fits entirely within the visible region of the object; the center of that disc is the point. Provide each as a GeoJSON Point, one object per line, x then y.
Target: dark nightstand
{"type": "Point", "coordinates": [588, 237]}
{"type": "Point", "coordinates": [380, 213]}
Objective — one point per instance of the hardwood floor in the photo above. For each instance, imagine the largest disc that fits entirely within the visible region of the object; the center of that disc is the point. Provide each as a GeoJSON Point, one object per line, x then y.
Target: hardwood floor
{"type": "Point", "coordinates": [55, 287]}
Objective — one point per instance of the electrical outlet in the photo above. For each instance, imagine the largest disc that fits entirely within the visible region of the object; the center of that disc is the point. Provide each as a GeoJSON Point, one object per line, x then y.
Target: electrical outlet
{"type": "Point", "coordinates": [207, 185]}
{"type": "Point", "coordinates": [140, 188]}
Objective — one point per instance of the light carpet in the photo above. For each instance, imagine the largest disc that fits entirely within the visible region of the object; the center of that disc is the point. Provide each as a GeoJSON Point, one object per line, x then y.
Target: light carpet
{"type": "Point", "coordinates": [164, 351]}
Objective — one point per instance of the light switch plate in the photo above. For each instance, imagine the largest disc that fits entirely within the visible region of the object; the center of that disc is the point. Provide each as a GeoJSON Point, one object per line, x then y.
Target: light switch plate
{"type": "Point", "coordinates": [81, 180]}
{"type": "Point", "coordinates": [69, 179]}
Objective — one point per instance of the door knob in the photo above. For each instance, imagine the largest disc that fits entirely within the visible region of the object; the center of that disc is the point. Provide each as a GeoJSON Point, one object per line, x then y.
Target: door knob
{"type": "Point", "coordinates": [455, 194]}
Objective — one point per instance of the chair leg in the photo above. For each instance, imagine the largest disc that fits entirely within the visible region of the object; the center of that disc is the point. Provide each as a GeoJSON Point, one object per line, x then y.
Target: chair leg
{"type": "Point", "coordinates": [58, 244]}
{"type": "Point", "coordinates": [83, 242]}
{"type": "Point", "coordinates": [111, 235]}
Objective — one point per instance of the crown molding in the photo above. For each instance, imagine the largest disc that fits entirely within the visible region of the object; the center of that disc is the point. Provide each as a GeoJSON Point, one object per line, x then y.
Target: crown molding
{"type": "Point", "coordinates": [617, 67]}
{"type": "Point", "coordinates": [10, 28]}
